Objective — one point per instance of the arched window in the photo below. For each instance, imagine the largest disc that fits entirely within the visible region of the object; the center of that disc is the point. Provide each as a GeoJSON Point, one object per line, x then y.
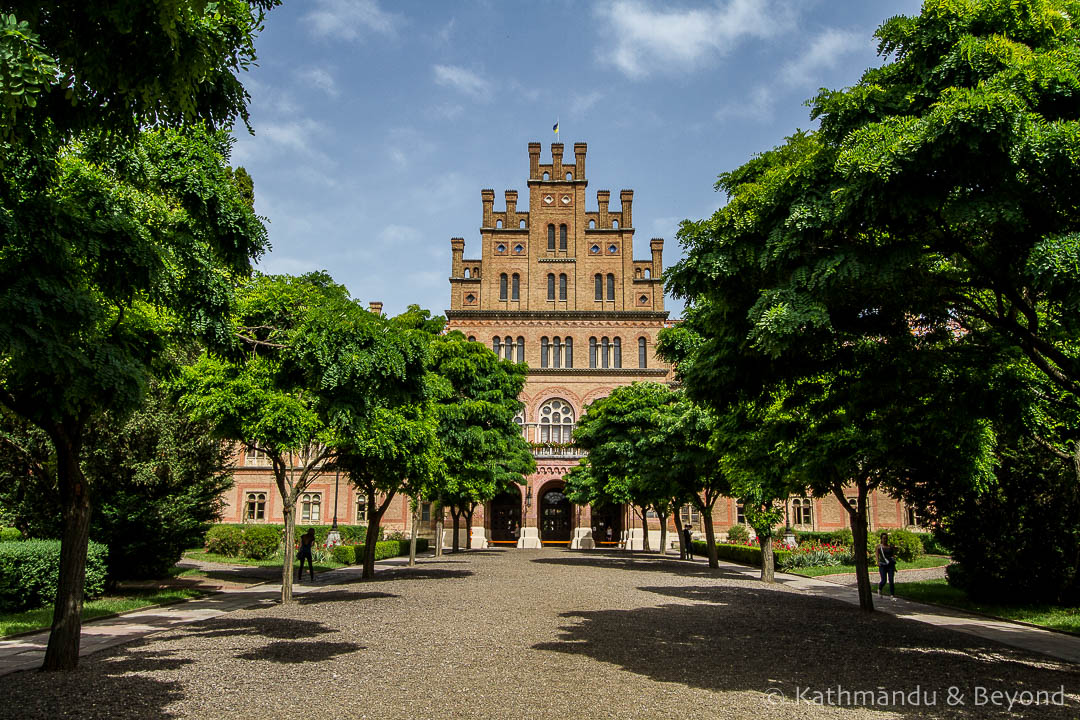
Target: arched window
{"type": "Point", "coordinates": [610, 287]}
{"type": "Point", "coordinates": [556, 421]}
{"type": "Point", "coordinates": [255, 507]}
{"type": "Point", "coordinates": [476, 272]}
{"type": "Point", "coordinates": [569, 176]}
{"type": "Point", "coordinates": [515, 287]}
{"type": "Point", "coordinates": [502, 286]}
{"type": "Point", "coordinates": [592, 352]}
{"type": "Point", "coordinates": [642, 356]}
{"type": "Point", "coordinates": [521, 224]}
{"type": "Point", "coordinates": [551, 286]}
{"type": "Point", "coordinates": [544, 352]}
{"type": "Point", "coordinates": [648, 273]}
{"type": "Point", "coordinates": [605, 352]}
{"type": "Point", "coordinates": [498, 223]}
{"type": "Point", "coordinates": [599, 286]}
{"type": "Point", "coordinates": [547, 176]}
{"type": "Point", "coordinates": [520, 349]}
{"type": "Point", "coordinates": [466, 272]}
{"type": "Point", "coordinates": [562, 237]}
{"type": "Point", "coordinates": [472, 338]}
{"type": "Point", "coordinates": [556, 352]}
{"type": "Point", "coordinates": [568, 352]}
{"type": "Point", "coordinates": [508, 349]}
{"type": "Point", "coordinates": [802, 511]}
{"type": "Point", "coordinates": [616, 345]}
{"type": "Point", "coordinates": [592, 224]}
{"type": "Point", "coordinates": [311, 507]}
{"type": "Point", "coordinates": [519, 420]}
{"type": "Point", "coordinates": [562, 286]}
{"type": "Point", "coordinates": [551, 237]}
{"type": "Point", "coordinates": [615, 224]}
{"type": "Point", "coordinates": [496, 345]}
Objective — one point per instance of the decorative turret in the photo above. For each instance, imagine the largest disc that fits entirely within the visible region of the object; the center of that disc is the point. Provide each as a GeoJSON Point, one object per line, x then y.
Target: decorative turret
{"type": "Point", "coordinates": [603, 197]}
{"type": "Point", "coordinates": [487, 199]}
{"type": "Point", "coordinates": [657, 247]}
{"type": "Point", "coordinates": [556, 161]}
{"type": "Point", "coordinates": [457, 253]}
{"type": "Point", "coordinates": [534, 161]}
{"type": "Point", "coordinates": [511, 207]}
{"type": "Point", "coordinates": [626, 197]}
{"type": "Point", "coordinates": [579, 160]}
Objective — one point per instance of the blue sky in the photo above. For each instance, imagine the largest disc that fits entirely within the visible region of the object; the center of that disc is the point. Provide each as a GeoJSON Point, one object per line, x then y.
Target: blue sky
{"type": "Point", "coordinates": [377, 123]}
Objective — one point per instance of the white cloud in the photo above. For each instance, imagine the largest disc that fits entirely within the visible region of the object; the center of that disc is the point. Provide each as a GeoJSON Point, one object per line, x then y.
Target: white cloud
{"type": "Point", "coordinates": [581, 104]}
{"type": "Point", "coordinates": [398, 235]}
{"type": "Point", "coordinates": [350, 19]}
{"type": "Point", "coordinates": [462, 80]}
{"type": "Point", "coordinates": [448, 111]}
{"type": "Point", "coordinates": [447, 31]}
{"type": "Point", "coordinates": [319, 78]}
{"type": "Point", "coordinates": [649, 40]}
{"type": "Point", "coordinates": [825, 53]}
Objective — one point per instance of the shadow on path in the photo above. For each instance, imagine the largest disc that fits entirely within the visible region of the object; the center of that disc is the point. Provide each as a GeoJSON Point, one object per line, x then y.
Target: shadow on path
{"type": "Point", "coordinates": [300, 652]}
{"type": "Point", "coordinates": [737, 638]}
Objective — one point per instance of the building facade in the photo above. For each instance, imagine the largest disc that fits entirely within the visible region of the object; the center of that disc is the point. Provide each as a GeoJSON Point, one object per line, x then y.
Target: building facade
{"type": "Point", "coordinates": [555, 285]}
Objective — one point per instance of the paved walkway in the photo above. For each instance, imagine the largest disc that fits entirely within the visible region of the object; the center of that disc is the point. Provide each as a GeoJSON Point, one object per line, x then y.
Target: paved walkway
{"type": "Point", "coordinates": [26, 652]}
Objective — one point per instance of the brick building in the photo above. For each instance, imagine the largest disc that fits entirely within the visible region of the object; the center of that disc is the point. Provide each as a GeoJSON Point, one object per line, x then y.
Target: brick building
{"type": "Point", "coordinates": [556, 286]}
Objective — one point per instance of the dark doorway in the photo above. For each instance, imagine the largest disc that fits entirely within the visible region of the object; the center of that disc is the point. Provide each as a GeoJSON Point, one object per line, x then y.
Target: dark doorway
{"type": "Point", "coordinates": [604, 519]}
{"type": "Point", "coordinates": [506, 516]}
{"type": "Point", "coordinates": [554, 517]}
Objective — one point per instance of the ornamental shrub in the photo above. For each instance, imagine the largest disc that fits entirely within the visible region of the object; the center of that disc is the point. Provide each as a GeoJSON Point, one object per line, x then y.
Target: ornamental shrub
{"type": "Point", "coordinates": [738, 534]}
{"type": "Point", "coordinates": [908, 545]}
{"type": "Point", "coordinates": [932, 545]}
{"type": "Point", "coordinates": [29, 570]}
{"type": "Point", "coordinates": [9, 534]}
{"type": "Point", "coordinates": [259, 542]}
{"type": "Point", "coordinates": [224, 540]}
{"type": "Point", "coordinates": [349, 533]}
{"type": "Point", "coordinates": [344, 554]}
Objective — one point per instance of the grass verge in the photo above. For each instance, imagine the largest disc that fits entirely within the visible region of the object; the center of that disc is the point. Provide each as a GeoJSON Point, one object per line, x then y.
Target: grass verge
{"type": "Point", "coordinates": [926, 561]}
{"type": "Point", "coordinates": [41, 618]}
{"type": "Point", "coordinates": [940, 592]}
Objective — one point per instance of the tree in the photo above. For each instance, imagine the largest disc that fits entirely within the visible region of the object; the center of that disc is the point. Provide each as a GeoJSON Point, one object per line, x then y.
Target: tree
{"type": "Point", "coordinates": [312, 370]}
{"type": "Point", "coordinates": [103, 226]}
{"type": "Point", "coordinates": [117, 250]}
{"type": "Point", "coordinates": [482, 447]}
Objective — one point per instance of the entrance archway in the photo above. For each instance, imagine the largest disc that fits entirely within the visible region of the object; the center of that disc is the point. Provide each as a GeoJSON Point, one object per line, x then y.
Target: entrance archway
{"type": "Point", "coordinates": [506, 517]}
{"type": "Point", "coordinates": [607, 517]}
{"type": "Point", "coordinates": [554, 517]}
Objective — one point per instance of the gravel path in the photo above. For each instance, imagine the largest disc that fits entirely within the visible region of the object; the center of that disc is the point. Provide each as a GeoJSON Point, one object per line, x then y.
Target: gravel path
{"type": "Point", "coordinates": [914, 575]}
{"type": "Point", "coordinates": [542, 634]}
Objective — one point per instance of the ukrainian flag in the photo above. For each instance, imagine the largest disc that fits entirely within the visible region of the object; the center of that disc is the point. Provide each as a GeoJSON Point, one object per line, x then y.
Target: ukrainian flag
{"type": "Point", "coordinates": [555, 127]}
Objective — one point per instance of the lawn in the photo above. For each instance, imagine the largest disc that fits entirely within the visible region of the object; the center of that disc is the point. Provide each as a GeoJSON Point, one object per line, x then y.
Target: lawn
{"type": "Point", "coordinates": [926, 561]}
{"type": "Point", "coordinates": [940, 592]}
{"type": "Point", "coordinates": [200, 554]}
{"type": "Point", "coordinates": [41, 618]}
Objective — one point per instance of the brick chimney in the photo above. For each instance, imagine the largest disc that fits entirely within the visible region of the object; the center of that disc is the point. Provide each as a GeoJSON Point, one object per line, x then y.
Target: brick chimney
{"type": "Point", "coordinates": [375, 306]}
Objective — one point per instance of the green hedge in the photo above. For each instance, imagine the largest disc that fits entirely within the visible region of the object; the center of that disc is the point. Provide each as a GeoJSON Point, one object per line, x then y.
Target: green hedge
{"type": "Point", "coordinates": [9, 534]}
{"type": "Point", "coordinates": [29, 570]}
{"type": "Point", "coordinates": [351, 554]}
{"type": "Point", "coordinates": [254, 540]}
{"type": "Point", "coordinates": [743, 554]}
{"type": "Point", "coordinates": [835, 537]}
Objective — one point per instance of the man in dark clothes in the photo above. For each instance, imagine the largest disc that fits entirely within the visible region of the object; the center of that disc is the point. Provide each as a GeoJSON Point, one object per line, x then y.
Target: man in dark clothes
{"type": "Point", "coordinates": [688, 542]}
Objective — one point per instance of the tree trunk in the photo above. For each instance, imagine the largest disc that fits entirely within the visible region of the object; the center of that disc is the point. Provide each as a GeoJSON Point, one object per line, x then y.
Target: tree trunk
{"type": "Point", "coordinates": [415, 529]}
{"type": "Point", "coordinates": [288, 512]}
{"type": "Point", "coordinates": [372, 536]}
{"type": "Point", "coordinates": [768, 566]}
{"type": "Point", "coordinates": [682, 540]}
{"type": "Point", "coordinates": [857, 516]}
{"type": "Point", "coordinates": [645, 530]}
{"type": "Point", "coordinates": [63, 650]}
{"type": "Point", "coordinates": [468, 525]}
{"type": "Point", "coordinates": [663, 532]}
{"type": "Point", "coordinates": [440, 521]}
{"type": "Point", "coordinates": [455, 515]}
{"type": "Point", "coordinates": [710, 536]}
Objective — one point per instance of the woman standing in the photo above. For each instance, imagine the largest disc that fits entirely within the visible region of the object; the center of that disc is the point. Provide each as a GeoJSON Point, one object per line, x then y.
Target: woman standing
{"type": "Point", "coordinates": [886, 561]}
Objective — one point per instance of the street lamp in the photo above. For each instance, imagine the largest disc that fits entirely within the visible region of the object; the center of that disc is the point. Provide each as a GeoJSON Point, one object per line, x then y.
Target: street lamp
{"type": "Point", "coordinates": [333, 538]}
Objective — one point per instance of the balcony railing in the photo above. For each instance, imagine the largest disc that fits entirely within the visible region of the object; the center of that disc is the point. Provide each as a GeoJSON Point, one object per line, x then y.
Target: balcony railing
{"type": "Point", "coordinates": [556, 450]}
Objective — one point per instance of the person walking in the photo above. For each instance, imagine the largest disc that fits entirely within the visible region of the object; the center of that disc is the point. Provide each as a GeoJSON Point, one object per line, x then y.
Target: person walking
{"type": "Point", "coordinates": [688, 542]}
{"type": "Point", "coordinates": [307, 543]}
{"type": "Point", "coordinates": [886, 560]}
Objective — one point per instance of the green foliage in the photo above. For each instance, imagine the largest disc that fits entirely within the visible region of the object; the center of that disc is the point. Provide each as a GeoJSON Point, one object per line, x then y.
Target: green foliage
{"type": "Point", "coordinates": [224, 540]}
{"type": "Point", "coordinates": [737, 534]}
{"type": "Point", "coordinates": [842, 538]}
{"type": "Point", "coordinates": [908, 544]}
{"type": "Point", "coordinates": [390, 548]}
{"type": "Point", "coordinates": [10, 534]}
{"type": "Point", "coordinates": [932, 545]}
{"type": "Point", "coordinates": [29, 571]}
{"type": "Point", "coordinates": [259, 542]}
{"type": "Point", "coordinates": [344, 554]}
